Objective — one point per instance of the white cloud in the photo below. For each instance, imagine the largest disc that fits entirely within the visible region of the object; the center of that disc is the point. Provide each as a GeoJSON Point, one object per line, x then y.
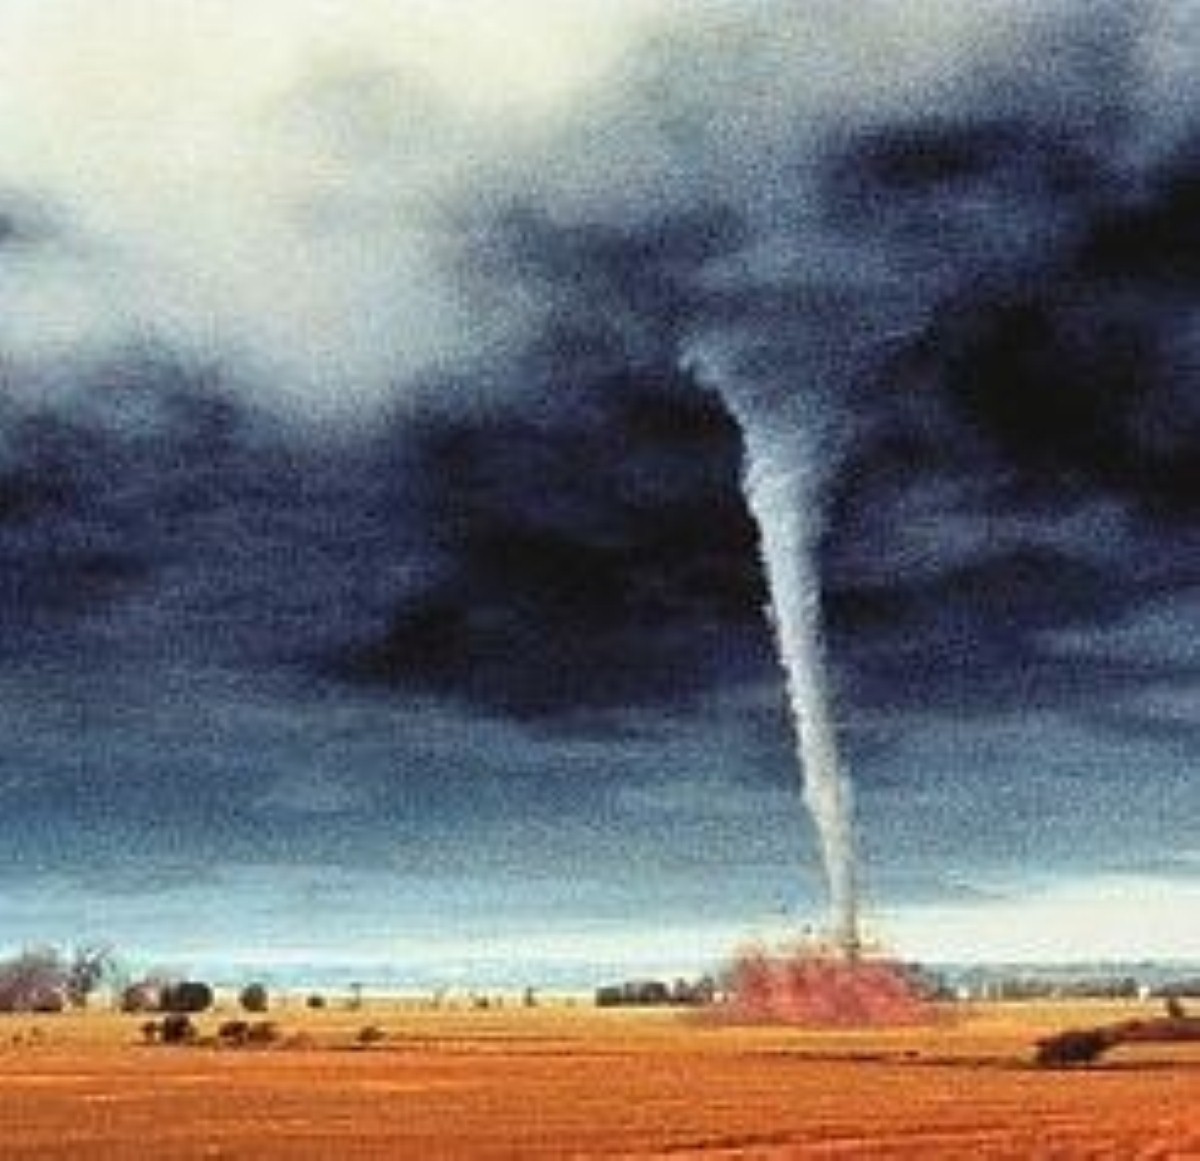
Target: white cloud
{"type": "Point", "coordinates": [1101, 918]}
{"type": "Point", "coordinates": [278, 182]}
{"type": "Point", "coordinates": [232, 177]}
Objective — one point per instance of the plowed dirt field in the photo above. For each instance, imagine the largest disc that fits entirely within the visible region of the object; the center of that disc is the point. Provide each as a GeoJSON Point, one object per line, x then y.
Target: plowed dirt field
{"type": "Point", "coordinates": [559, 1082]}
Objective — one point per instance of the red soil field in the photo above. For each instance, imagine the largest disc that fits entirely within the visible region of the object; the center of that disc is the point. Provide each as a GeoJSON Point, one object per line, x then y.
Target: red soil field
{"type": "Point", "coordinates": [575, 1082]}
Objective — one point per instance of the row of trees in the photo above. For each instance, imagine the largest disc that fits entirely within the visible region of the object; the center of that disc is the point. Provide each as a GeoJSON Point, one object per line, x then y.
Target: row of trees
{"type": "Point", "coordinates": [47, 979]}
{"type": "Point", "coordinates": [642, 993]}
{"type": "Point", "coordinates": [185, 996]}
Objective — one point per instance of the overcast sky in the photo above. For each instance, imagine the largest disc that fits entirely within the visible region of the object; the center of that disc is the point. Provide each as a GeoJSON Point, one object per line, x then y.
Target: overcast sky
{"type": "Point", "coordinates": [375, 574]}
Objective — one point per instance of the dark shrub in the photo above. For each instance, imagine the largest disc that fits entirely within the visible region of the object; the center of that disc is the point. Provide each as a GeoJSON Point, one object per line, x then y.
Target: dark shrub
{"type": "Point", "coordinates": [315, 1001]}
{"type": "Point", "coordinates": [263, 1032]}
{"type": "Point", "coordinates": [254, 998]}
{"type": "Point", "coordinates": [233, 1032]}
{"type": "Point", "coordinates": [177, 1028]}
{"type": "Point", "coordinates": [1075, 1047]}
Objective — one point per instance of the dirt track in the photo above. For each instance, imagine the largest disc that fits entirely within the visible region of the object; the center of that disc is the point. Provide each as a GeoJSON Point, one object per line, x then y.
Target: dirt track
{"type": "Point", "coordinates": [558, 1084]}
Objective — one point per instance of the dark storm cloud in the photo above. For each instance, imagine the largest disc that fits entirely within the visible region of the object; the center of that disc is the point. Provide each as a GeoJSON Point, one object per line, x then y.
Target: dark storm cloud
{"type": "Point", "coordinates": [151, 514]}
{"type": "Point", "coordinates": [1021, 452]}
{"type": "Point", "coordinates": [592, 555]}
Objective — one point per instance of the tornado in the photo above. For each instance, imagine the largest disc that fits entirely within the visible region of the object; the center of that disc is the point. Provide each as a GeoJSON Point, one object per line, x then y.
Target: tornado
{"type": "Point", "coordinates": [785, 462]}
{"type": "Point", "coordinates": [781, 495]}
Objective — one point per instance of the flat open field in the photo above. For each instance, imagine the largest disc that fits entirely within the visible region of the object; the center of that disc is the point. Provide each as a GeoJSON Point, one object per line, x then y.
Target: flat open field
{"type": "Point", "coordinates": [560, 1082]}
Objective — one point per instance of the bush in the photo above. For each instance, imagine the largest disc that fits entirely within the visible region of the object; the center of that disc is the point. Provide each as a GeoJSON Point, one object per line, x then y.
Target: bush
{"type": "Point", "coordinates": [263, 1032]}
{"type": "Point", "coordinates": [177, 1028]}
{"type": "Point", "coordinates": [253, 998]}
{"type": "Point", "coordinates": [233, 1032]}
{"type": "Point", "coordinates": [1074, 1047]}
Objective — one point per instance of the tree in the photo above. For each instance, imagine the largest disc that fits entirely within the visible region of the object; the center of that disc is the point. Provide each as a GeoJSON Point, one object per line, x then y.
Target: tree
{"type": "Point", "coordinates": [254, 998]}
{"type": "Point", "coordinates": [35, 980]}
{"type": "Point", "coordinates": [143, 995]}
{"type": "Point", "coordinates": [187, 996]}
{"type": "Point", "coordinates": [90, 964]}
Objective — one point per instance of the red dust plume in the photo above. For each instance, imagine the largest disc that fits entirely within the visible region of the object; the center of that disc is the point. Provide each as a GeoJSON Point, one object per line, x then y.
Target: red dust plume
{"type": "Point", "coordinates": [825, 988]}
